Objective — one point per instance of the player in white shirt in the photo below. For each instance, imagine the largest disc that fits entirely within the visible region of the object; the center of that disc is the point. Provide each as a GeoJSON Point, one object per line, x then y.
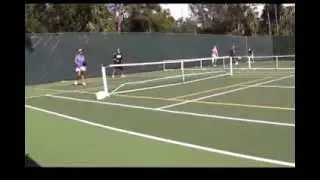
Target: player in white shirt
{"type": "Point", "coordinates": [250, 53]}
{"type": "Point", "coordinates": [214, 54]}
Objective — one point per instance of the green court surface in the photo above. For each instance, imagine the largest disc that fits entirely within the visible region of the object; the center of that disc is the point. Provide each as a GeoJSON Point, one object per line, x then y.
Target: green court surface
{"type": "Point", "coordinates": [244, 120]}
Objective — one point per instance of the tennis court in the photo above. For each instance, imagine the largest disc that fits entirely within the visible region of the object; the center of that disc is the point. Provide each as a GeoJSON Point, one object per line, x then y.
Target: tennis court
{"type": "Point", "coordinates": [243, 120]}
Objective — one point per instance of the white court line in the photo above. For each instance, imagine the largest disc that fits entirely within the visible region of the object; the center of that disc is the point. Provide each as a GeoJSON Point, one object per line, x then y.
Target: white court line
{"type": "Point", "coordinates": [223, 93]}
{"type": "Point", "coordinates": [271, 86]}
{"type": "Point", "coordinates": [31, 97]}
{"type": "Point", "coordinates": [168, 85]}
{"type": "Point", "coordinates": [57, 92]}
{"type": "Point", "coordinates": [210, 102]}
{"type": "Point", "coordinates": [42, 95]}
{"type": "Point", "coordinates": [165, 140]}
{"type": "Point", "coordinates": [64, 83]}
{"type": "Point", "coordinates": [175, 112]}
{"type": "Point", "coordinates": [220, 88]}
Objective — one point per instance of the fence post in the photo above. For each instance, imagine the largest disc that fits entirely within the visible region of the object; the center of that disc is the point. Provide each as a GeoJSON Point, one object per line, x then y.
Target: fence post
{"type": "Point", "coordinates": [182, 70]}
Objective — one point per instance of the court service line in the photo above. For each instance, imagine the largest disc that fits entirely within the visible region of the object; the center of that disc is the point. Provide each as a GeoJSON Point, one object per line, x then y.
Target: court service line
{"type": "Point", "coordinates": [209, 102]}
{"type": "Point", "coordinates": [168, 85]}
{"type": "Point", "coordinates": [175, 112]}
{"type": "Point", "coordinates": [223, 93]}
{"type": "Point", "coordinates": [219, 88]}
{"type": "Point", "coordinates": [165, 140]}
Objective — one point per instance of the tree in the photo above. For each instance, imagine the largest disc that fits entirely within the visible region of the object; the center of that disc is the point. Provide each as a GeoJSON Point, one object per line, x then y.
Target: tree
{"type": "Point", "coordinates": [282, 20]}
{"type": "Point", "coordinates": [186, 26]}
{"type": "Point", "coordinates": [34, 17]}
{"type": "Point", "coordinates": [102, 19]}
{"type": "Point", "coordinates": [238, 19]}
{"type": "Point", "coordinates": [251, 21]}
{"type": "Point", "coordinates": [148, 18]}
{"type": "Point", "coordinates": [287, 21]}
{"type": "Point", "coordinates": [270, 19]}
{"type": "Point", "coordinates": [68, 17]}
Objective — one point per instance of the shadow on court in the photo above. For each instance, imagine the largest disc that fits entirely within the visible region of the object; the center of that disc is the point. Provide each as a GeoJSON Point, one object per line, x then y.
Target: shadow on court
{"type": "Point", "coordinates": [30, 162]}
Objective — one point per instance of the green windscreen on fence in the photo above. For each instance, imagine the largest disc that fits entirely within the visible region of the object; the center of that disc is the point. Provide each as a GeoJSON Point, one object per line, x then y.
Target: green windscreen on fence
{"type": "Point", "coordinates": [51, 58]}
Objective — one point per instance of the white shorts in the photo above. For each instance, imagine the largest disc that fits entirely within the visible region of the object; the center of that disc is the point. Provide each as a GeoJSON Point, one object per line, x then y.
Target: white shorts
{"type": "Point", "coordinates": [81, 69]}
{"type": "Point", "coordinates": [213, 58]}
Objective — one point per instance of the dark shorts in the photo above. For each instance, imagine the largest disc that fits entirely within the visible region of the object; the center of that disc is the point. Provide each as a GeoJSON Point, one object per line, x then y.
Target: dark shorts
{"type": "Point", "coordinates": [118, 67]}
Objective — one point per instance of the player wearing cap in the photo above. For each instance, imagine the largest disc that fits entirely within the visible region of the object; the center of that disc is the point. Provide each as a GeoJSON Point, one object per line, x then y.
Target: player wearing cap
{"type": "Point", "coordinates": [117, 59]}
{"type": "Point", "coordinates": [81, 67]}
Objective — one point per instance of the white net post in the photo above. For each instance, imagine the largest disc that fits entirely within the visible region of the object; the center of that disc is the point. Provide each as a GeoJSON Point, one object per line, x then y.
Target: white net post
{"type": "Point", "coordinates": [277, 63]}
{"type": "Point", "coordinates": [164, 66]}
{"type": "Point", "coordinates": [231, 68]}
{"type": "Point", "coordinates": [182, 70]}
{"type": "Point", "coordinates": [224, 64]}
{"type": "Point", "coordinates": [249, 62]}
{"type": "Point", "coordinates": [200, 64]}
{"type": "Point", "coordinates": [104, 79]}
{"type": "Point", "coordinates": [103, 94]}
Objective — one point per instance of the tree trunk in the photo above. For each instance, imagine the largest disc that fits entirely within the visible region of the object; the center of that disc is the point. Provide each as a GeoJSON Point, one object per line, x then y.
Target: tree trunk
{"type": "Point", "coordinates": [276, 15]}
{"type": "Point", "coordinates": [269, 23]}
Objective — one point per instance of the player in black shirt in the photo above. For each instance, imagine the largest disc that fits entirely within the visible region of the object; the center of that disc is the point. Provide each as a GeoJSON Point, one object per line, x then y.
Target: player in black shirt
{"type": "Point", "coordinates": [232, 54]}
{"type": "Point", "coordinates": [117, 59]}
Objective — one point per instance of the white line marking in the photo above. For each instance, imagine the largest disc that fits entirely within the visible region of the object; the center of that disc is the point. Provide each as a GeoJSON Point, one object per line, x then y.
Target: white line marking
{"type": "Point", "coordinates": [59, 90]}
{"type": "Point", "coordinates": [42, 95]}
{"type": "Point", "coordinates": [271, 86]}
{"type": "Point", "coordinates": [220, 88]}
{"type": "Point", "coordinates": [168, 85]}
{"type": "Point", "coordinates": [56, 90]}
{"type": "Point", "coordinates": [165, 140]}
{"type": "Point", "coordinates": [266, 68]}
{"type": "Point", "coordinates": [223, 93]}
{"type": "Point", "coordinates": [210, 102]}
{"type": "Point", "coordinates": [168, 77]}
{"type": "Point", "coordinates": [176, 112]}
{"type": "Point", "coordinates": [31, 97]}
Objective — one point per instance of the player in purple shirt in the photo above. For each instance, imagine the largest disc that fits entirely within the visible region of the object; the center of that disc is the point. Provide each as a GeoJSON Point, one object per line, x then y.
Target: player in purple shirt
{"type": "Point", "coordinates": [81, 67]}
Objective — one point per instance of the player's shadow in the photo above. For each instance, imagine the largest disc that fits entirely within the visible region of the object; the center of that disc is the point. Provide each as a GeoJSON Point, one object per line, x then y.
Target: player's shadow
{"type": "Point", "coordinates": [30, 162]}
